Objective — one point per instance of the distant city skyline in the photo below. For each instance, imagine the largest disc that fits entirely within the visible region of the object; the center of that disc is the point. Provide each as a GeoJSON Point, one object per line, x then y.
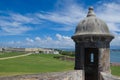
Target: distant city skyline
{"type": "Point", "coordinates": [51, 23]}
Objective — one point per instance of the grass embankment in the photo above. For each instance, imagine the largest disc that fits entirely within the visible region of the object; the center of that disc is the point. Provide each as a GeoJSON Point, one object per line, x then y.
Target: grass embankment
{"type": "Point", "coordinates": [115, 70]}
{"type": "Point", "coordinates": [9, 54]}
{"type": "Point", "coordinates": [35, 63]}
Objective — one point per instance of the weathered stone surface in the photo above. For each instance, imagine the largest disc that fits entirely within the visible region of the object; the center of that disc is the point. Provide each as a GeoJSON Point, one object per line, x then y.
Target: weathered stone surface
{"type": "Point", "coordinates": [92, 25]}
{"type": "Point", "coordinates": [104, 60]}
{"type": "Point", "coordinates": [70, 75]}
{"type": "Point", "coordinates": [108, 76]}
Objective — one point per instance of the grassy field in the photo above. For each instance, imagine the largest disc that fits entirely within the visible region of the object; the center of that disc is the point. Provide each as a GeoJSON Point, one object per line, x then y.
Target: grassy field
{"type": "Point", "coordinates": [38, 63]}
{"type": "Point", "coordinates": [9, 54]}
{"type": "Point", "coordinates": [35, 63]}
{"type": "Point", "coordinates": [115, 70]}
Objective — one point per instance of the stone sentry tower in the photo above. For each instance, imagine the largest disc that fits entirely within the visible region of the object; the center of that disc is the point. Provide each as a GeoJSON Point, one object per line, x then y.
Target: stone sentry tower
{"type": "Point", "coordinates": [92, 46]}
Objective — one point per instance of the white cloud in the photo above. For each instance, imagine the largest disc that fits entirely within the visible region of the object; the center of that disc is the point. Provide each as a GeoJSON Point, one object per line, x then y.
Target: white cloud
{"type": "Point", "coordinates": [67, 17]}
{"type": "Point", "coordinates": [61, 41]}
{"type": "Point", "coordinates": [31, 19]}
{"type": "Point", "coordinates": [114, 28]}
{"type": "Point", "coordinates": [29, 40]}
{"type": "Point", "coordinates": [110, 12]}
{"type": "Point", "coordinates": [15, 24]}
{"type": "Point", "coordinates": [62, 38]}
{"type": "Point", "coordinates": [38, 39]}
{"type": "Point", "coordinates": [21, 18]}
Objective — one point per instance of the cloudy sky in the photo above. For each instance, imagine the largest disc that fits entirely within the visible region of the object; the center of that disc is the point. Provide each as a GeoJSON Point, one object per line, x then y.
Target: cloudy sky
{"type": "Point", "coordinates": [51, 23]}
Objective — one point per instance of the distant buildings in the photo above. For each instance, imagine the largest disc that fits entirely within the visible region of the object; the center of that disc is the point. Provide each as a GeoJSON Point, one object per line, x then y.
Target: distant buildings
{"type": "Point", "coordinates": [0, 49]}
{"type": "Point", "coordinates": [32, 50]}
{"type": "Point", "coordinates": [13, 49]}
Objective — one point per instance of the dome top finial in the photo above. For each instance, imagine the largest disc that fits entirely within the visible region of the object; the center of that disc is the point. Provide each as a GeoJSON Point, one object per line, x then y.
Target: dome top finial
{"type": "Point", "coordinates": [91, 12]}
{"type": "Point", "coordinates": [91, 8]}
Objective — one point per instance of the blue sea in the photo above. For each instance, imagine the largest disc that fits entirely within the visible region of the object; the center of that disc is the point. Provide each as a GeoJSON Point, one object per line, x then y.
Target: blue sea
{"type": "Point", "coordinates": [115, 56]}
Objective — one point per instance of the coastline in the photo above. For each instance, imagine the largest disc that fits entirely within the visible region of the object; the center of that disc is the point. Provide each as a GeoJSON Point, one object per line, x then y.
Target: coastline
{"type": "Point", "coordinates": [115, 64]}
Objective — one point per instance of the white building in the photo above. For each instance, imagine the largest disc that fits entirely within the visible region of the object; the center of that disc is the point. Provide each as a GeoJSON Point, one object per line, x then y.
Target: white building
{"type": "Point", "coordinates": [14, 49]}
{"type": "Point", "coordinates": [0, 49]}
{"type": "Point", "coordinates": [32, 50]}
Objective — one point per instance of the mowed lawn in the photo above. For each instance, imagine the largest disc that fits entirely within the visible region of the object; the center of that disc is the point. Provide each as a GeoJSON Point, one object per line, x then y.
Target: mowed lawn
{"type": "Point", "coordinates": [115, 70]}
{"type": "Point", "coordinates": [35, 63]}
{"type": "Point", "coordinates": [9, 54]}
{"type": "Point", "coordinates": [38, 63]}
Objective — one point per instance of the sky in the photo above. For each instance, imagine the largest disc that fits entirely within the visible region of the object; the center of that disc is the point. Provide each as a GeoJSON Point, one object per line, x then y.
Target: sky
{"type": "Point", "coordinates": [51, 23]}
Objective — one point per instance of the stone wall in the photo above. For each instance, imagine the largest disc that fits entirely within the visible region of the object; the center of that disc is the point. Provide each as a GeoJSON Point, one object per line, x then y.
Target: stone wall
{"type": "Point", "coordinates": [108, 76]}
{"type": "Point", "coordinates": [104, 59]}
{"type": "Point", "coordinates": [70, 75]}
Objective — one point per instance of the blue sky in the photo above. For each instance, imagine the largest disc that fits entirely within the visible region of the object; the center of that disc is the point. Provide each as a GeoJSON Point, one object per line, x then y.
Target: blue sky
{"type": "Point", "coordinates": [51, 23]}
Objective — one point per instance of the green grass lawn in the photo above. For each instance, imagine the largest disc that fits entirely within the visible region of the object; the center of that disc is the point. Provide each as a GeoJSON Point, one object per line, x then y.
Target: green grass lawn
{"type": "Point", "coordinates": [115, 70]}
{"type": "Point", "coordinates": [9, 54]}
{"type": "Point", "coordinates": [39, 63]}
{"type": "Point", "coordinates": [35, 63]}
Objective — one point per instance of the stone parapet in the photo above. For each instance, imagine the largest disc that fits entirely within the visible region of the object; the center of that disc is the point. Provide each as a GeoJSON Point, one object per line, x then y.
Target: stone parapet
{"type": "Point", "coordinates": [108, 76]}
{"type": "Point", "coordinates": [70, 75]}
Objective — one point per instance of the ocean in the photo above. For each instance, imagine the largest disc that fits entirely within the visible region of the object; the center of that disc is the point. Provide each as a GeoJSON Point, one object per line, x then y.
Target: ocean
{"type": "Point", "coordinates": [115, 56]}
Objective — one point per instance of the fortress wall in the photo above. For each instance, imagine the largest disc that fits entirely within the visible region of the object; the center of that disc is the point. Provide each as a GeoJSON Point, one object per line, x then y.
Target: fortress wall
{"type": "Point", "coordinates": [70, 75]}
{"type": "Point", "coordinates": [108, 76]}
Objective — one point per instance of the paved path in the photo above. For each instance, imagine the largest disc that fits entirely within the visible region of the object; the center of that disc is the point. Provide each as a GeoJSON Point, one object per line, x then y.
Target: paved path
{"type": "Point", "coordinates": [15, 56]}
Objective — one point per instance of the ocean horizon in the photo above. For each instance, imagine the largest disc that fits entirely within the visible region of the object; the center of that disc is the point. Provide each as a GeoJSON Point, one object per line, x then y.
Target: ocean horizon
{"type": "Point", "coordinates": [115, 56]}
